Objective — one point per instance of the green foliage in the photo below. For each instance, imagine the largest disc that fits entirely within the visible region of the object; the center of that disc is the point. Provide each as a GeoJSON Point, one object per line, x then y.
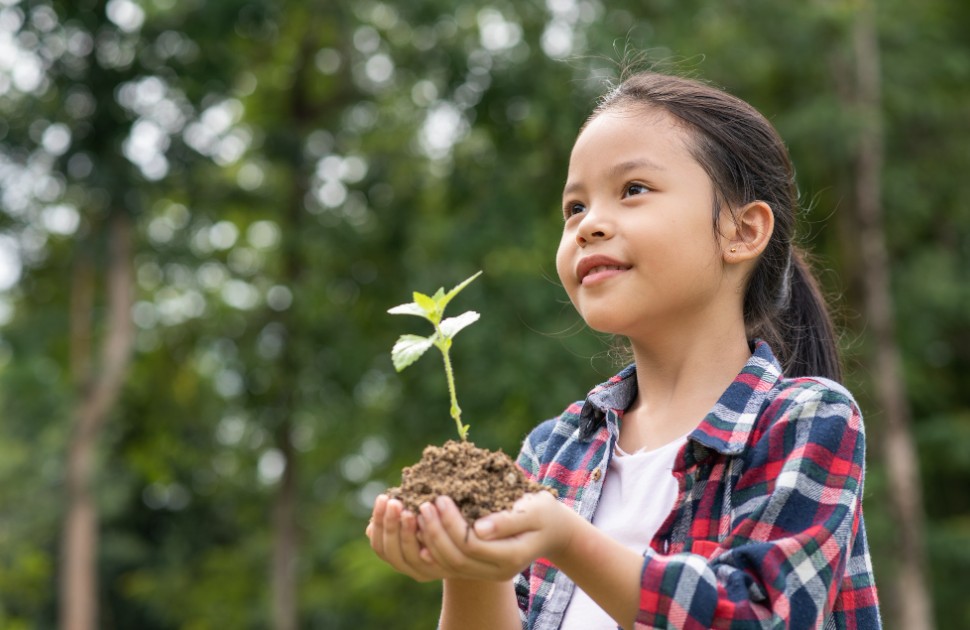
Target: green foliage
{"type": "Point", "coordinates": [290, 165]}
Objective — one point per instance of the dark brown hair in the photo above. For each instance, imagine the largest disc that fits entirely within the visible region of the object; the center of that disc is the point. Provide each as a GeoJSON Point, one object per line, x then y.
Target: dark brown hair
{"type": "Point", "coordinates": [747, 161]}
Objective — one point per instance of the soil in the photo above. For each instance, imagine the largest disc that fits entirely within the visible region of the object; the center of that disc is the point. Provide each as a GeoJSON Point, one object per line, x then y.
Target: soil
{"type": "Point", "coordinates": [479, 481]}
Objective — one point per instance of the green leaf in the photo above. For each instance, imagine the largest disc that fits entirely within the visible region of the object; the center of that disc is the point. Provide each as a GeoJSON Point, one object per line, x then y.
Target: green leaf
{"type": "Point", "coordinates": [408, 309]}
{"type": "Point", "coordinates": [426, 302]}
{"type": "Point", "coordinates": [451, 326]}
{"type": "Point", "coordinates": [409, 349]}
{"type": "Point", "coordinates": [451, 294]}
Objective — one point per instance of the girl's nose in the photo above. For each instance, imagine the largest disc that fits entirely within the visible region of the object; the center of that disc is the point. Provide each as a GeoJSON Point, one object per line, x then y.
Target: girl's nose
{"type": "Point", "coordinates": [593, 227]}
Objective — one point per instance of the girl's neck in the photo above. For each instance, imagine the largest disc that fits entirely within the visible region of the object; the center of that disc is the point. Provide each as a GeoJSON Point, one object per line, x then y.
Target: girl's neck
{"type": "Point", "coordinates": [679, 379]}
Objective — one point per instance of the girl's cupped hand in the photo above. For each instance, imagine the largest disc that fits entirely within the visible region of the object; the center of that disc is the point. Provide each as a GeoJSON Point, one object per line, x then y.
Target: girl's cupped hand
{"type": "Point", "coordinates": [438, 543]}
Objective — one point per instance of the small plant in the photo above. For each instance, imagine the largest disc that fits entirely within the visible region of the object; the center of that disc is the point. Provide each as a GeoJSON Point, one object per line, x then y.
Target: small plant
{"type": "Point", "coordinates": [409, 348]}
{"type": "Point", "coordinates": [478, 480]}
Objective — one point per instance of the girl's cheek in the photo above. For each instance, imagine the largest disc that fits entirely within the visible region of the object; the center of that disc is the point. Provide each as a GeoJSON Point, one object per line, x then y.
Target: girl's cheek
{"type": "Point", "coordinates": [563, 264]}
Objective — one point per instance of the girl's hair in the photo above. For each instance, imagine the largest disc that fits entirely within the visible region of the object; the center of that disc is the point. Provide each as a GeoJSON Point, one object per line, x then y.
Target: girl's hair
{"type": "Point", "coordinates": [747, 161]}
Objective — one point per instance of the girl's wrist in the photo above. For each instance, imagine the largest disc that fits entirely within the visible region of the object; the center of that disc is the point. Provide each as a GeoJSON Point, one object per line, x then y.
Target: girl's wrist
{"type": "Point", "coordinates": [473, 604]}
{"type": "Point", "coordinates": [568, 525]}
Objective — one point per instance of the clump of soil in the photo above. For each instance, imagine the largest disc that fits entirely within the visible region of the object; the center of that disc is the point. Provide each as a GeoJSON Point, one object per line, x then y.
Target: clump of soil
{"type": "Point", "coordinates": [479, 481]}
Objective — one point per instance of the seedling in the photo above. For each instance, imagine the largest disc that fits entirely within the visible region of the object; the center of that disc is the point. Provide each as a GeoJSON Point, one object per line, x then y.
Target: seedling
{"type": "Point", "coordinates": [409, 348]}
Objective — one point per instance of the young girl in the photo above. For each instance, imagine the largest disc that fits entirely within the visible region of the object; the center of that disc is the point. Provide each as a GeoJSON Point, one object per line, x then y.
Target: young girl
{"type": "Point", "coordinates": [717, 481]}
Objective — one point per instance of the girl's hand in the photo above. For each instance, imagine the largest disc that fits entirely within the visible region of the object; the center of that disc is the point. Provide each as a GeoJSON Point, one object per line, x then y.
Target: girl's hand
{"type": "Point", "coordinates": [394, 538]}
{"type": "Point", "coordinates": [500, 545]}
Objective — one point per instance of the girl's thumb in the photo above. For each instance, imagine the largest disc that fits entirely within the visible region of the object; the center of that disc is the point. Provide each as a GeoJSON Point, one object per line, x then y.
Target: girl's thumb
{"type": "Point", "coordinates": [484, 528]}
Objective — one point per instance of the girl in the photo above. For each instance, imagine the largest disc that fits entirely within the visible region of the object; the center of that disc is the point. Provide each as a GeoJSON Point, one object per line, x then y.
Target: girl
{"type": "Point", "coordinates": [717, 481]}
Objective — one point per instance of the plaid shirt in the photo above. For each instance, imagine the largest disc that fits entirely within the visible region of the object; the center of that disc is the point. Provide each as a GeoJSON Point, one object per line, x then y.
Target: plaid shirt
{"type": "Point", "coordinates": [767, 528]}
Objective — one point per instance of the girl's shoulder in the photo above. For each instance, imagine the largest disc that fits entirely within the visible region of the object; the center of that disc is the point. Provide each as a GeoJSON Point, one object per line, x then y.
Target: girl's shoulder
{"type": "Point", "coordinates": [559, 428]}
{"type": "Point", "coordinates": [811, 399]}
{"type": "Point", "coordinates": [800, 390]}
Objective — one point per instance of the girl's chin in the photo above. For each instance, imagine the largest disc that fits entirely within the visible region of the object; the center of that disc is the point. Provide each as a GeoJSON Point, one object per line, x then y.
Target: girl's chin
{"type": "Point", "coordinates": [607, 324]}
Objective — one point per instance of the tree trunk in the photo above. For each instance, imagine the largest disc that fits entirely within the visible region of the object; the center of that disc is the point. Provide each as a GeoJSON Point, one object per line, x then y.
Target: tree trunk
{"type": "Point", "coordinates": [911, 594]}
{"type": "Point", "coordinates": [98, 390]}
{"type": "Point", "coordinates": [285, 538]}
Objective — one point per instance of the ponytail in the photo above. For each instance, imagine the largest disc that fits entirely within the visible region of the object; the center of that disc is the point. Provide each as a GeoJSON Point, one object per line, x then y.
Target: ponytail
{"type": "Point", "coordinates": [800, 328]}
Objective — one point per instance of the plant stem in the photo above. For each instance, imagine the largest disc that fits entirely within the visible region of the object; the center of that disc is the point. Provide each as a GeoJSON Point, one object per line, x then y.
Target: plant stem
{"type": "Point", "coordinates": [444, 345]}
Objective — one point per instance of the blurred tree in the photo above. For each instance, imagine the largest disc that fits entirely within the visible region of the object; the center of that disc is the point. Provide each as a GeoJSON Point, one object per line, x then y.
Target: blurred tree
{"type": "Point", "coordinates": [911, 586]}
{"type": "Point", "coordinates": [89, 118]}
{"type": "Point", "coordinates": [292, 169]}
{"type": "Point", "coordinates": [98, 386]}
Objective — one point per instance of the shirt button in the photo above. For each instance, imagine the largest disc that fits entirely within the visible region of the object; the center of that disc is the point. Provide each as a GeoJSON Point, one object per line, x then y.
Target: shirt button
{"type": "Point", "coordinates": [597, 474]}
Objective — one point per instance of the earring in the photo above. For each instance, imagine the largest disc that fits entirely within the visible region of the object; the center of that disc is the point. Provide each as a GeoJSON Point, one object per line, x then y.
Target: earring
{"type": "Point", "coordinates": [734, 249]}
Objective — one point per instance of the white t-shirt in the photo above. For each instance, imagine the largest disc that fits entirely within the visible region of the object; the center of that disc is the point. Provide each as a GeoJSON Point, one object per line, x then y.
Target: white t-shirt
{"type": "Point", "coordinates": [638, 493]}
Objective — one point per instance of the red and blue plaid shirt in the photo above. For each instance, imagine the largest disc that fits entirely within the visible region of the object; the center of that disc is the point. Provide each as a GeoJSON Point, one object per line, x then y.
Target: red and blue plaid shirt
{"type": "Point", "coordinates": [767, 528]}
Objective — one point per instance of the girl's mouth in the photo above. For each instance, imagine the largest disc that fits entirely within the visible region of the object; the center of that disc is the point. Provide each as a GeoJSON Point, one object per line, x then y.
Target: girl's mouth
{"type": "Point", "coordinates": [596, 268]}
{"type": "Point", "coordinates": [602, 273]}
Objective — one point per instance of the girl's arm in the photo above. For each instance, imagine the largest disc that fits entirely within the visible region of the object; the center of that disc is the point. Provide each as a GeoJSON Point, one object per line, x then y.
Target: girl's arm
{"type": "Point", "coordinates": [478, 605]}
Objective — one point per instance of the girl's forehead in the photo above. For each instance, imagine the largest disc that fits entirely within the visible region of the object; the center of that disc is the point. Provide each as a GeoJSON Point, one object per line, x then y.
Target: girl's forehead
{"type": "Point", "coordinates": [632, 129]}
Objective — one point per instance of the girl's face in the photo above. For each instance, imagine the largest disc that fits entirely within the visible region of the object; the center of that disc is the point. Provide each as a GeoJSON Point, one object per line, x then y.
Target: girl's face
{"type": "Point", "coordinates": [638, 254]}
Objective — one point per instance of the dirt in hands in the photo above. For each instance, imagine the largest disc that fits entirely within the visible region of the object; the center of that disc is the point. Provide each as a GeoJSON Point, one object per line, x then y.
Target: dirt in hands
{"type": "Point", "coordinates": [479, 481]}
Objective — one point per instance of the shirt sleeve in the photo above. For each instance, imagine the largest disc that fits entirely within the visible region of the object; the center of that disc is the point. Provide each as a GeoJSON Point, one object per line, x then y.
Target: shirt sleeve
{"type": "Point", "coordinates": [796, 516]}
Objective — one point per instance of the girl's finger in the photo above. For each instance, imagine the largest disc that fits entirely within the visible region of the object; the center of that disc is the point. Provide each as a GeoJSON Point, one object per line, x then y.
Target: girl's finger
{"type": "Point", "coordinates": [486, 560]}
{"type": "Point", "coordinates": [521, 518]}
{"type": "Point", "coordinates": [442, 545]}
{"type": "Point", "coordinates": [454, 523]}
{"type": "Point", "coordinates": [375, 530]}
{"type": "Point", "coordinates": [410, 545]}
{"type": "Point", "coordinates": [392, 534]}
{"type": "Point", "coordinates": [401, 549]}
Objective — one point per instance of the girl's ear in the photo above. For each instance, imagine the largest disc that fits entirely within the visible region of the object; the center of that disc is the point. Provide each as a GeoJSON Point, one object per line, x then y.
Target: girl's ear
{"type": "Point", "coordinates": [747, 232]}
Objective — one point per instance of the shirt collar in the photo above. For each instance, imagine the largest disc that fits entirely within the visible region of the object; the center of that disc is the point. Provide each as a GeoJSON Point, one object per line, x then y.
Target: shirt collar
{"type": "Point", "coordinates": [614, 395]}
{"type": "Point", "coordinates": [727, 426]}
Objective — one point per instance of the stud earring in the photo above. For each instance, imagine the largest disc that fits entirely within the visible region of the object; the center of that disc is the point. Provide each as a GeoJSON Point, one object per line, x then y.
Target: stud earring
{"type": "Point", "coordinates": [734, 249]}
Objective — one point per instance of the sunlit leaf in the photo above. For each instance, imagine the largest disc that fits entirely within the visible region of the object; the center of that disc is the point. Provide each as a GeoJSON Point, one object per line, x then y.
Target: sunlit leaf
{"type": "Point", "coordinates": [451, 294]}
{"type": "Point", "coordinates": [426, 303]}
{"type": "Point", "coordinates": [451, 326]}
{"type": "Point", "coordinates": [408, 309]}
{"type": "Point", "coordinates": [409, 349]}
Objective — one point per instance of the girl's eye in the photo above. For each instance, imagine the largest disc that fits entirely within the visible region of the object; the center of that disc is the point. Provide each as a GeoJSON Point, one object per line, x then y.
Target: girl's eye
{"type": "Point", "coordinates": [634, 189]}
{"type": "Point", "coordinates": [572, 208]}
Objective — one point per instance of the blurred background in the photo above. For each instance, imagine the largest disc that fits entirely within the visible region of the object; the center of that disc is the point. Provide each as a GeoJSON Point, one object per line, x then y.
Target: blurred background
{"type": "Point", "coordinates": [206, 209]}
